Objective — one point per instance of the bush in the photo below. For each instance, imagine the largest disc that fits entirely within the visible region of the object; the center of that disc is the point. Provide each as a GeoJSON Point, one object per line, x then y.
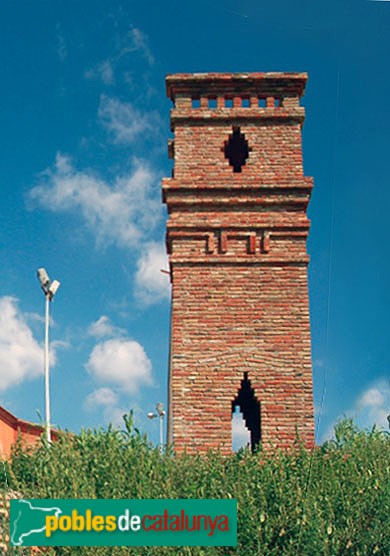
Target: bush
{"type": "Point", "coordinates": [333, 500]}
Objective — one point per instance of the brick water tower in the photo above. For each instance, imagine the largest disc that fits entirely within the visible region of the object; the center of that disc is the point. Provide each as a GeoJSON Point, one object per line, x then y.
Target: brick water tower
{"type": "Point", "coordinates": [236, 238]}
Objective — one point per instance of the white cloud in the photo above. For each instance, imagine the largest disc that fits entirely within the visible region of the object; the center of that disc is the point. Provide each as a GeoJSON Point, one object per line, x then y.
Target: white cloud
{"type": "Point", "coordinates": [121, 362]}
{"type": "Point", "coordinates": [101, 397]}
{"type": "Point", "coordinates": [371, 398]}
{"type": "Point", "coordinates": [62, 51]}
{"type": "Point", "coordinates": [137, 41]}
{"type": "Point", "coordinates": [104, 71]}
{"type": "Point", "coordinates": [58, 344]}
{"type": "Point", "coordinates": [152, 285]}
{"type": "Point", "coordinates": [240, 434]}
{"type": "Point", "coordinates": [371, 408]}
{"type": "Point", "coordinates": [124, 122]}
{"type": "Point", "coordinates": [123, 213]}
{"type": "Point", "coordinates": [21, 356]}
{"type": "Point", "coordinates": [114, 415]}
{"type": "Point", "coordinates": [106, 402]}
{"type": "Point", "coordinates": [35, 317]}
{"type": "Point", "coordinates": [120, 213]}
{"type": "Point", "coordinates": [103, 327]}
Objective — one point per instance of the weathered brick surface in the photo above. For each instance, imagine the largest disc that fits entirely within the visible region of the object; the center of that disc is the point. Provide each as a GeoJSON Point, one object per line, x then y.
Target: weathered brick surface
{"type": "Point", "coordinates": [237, 245]}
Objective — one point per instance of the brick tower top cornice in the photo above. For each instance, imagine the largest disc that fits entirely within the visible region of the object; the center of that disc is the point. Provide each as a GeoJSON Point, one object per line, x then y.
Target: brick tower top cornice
{"type": "Point", "coordinates": [237, 132]}
{"type": "Point", "coordinates": [257, 83]}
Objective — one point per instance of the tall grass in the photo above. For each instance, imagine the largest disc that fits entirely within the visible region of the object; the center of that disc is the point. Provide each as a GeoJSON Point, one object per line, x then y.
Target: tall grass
{"type": "Point", "coordinates": [334, 500]}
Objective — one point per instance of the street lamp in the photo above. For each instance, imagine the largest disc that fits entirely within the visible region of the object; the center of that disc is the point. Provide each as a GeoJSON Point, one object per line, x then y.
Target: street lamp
{"type": "Point", "coordinates": [160, 413]}
{"type": "Point", "coordinates": [49, 289]}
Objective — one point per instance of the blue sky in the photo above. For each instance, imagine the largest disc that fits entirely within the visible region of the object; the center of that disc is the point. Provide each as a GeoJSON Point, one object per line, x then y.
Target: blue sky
{"type": "Point", "coordinates": [84, 125]}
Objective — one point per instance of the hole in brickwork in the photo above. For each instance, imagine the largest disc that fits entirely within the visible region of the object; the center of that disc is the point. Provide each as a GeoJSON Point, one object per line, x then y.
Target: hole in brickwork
{"type": "Point", "coordinates": [278, 102]}
{"type": "Point", "coordinates": [250, 408]}
{"type": "Point", "coordinates": [228, 103]}
{"type": "Point", "coordinates": [212, 103]}
{"type": "Point", "coordinates": [195, 103]}
{"type": "Point", "coordinates": [262, 103]}
{"type": "Point", "coordinates": [241, 437]}
{"type": "Point", "coordinates": [245, 103]}
{"type": "Point", "coordinates": [236, 149]}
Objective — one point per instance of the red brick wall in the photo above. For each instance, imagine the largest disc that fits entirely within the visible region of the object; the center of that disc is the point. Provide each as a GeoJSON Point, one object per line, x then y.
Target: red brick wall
{"type": "Point", "coordinates": [198, 154]}
{"type": "Point", "coordinates": [237, 244]}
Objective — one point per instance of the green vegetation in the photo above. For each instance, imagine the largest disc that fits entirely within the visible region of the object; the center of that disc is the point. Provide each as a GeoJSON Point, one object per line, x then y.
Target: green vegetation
{"type": "Point", "coordinates": [334, 500]}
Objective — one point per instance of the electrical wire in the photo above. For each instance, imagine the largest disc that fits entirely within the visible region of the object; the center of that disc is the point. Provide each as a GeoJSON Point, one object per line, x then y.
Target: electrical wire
{"type": "Point", "coordinates": [330, 274]}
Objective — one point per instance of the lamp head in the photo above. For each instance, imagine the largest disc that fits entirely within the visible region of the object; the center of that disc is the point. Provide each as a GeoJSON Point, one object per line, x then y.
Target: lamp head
{"type": "Point", "coordinates": [43, 278]}
{"type": "Point", "coordinates": [151, 415]}
{"type": "Point", "coordinates": [49, 288]}
{"type": "Point", "coordinates": [160, 409]}
{"type": "Point", "coordinates": [53, 287]}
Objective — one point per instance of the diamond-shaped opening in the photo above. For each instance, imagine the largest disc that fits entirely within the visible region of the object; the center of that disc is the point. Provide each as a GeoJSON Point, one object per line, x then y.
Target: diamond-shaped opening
{"type": "Point", "coordinates": [236, 149]}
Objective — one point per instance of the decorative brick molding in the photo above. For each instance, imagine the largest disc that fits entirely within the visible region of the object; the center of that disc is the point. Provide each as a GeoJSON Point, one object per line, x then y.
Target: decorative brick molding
{"type": "Point", "coordinates": [236, 238]}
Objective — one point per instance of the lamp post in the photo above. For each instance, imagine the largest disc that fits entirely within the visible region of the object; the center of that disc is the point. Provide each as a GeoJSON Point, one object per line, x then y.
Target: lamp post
{"type": "Point", "coordinates": [160, 414]}
{"type": "Point", "coordinates": [49, 289]}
